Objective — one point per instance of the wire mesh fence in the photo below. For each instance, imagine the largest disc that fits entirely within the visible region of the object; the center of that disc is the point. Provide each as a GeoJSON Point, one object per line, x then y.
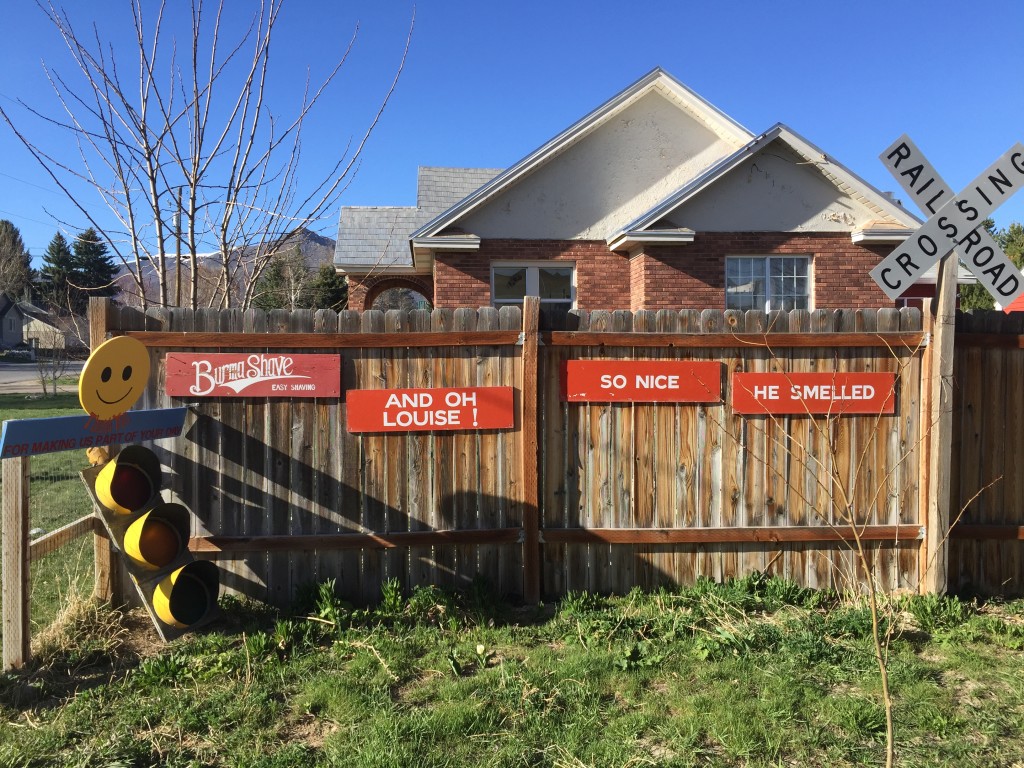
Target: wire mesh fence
{"type": "Point", "coordinates": [58, 497]}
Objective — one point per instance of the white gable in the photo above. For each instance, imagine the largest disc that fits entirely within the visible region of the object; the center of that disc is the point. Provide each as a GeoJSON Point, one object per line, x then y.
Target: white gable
{"type": "Point", "coordinates": [775, 190]}
{"type": "Point", "coordinates": [616, 173]}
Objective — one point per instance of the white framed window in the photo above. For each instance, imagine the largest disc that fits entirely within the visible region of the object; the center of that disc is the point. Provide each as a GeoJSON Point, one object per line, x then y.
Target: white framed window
{"type": "Point", "coordinates": [553, 282]}
{"type": "Point", "coordinates": [768, 282]}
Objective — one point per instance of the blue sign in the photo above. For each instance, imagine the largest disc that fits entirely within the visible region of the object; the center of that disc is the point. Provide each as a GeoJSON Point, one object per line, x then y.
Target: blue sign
{"type": "Point", "coordinates": [29, 437]}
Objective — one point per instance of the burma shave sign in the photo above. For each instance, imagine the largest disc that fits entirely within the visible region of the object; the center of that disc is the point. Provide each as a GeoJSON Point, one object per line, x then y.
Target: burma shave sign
{"type": "Point", "coordinates": [427, 410]}
{"type": "Point", "coordinates": [816, 394]}
{"type": "Point", "coordinates": [253, 375]}
{"type": "Point", "coordinates": [642, 381]}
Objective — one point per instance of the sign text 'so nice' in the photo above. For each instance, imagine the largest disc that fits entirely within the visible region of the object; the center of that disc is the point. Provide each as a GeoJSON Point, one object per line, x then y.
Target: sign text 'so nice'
{"type": "Point", "coordinates": [642, 381]}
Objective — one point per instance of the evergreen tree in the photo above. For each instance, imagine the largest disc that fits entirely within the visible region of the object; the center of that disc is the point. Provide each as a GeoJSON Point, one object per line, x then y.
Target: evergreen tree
{"type": "Point", "coordinates": [58, 273]}
{"type": "Point", "coordinates": [271, 289]}
{"type": "Point", "coordinates": [975, 295]}
{"type": "Point", "coordinates": [15, 262]}
{"type": "Point", "coordinates": [328, 290]}
{"type": "Point", "coordinates": [94, 270]}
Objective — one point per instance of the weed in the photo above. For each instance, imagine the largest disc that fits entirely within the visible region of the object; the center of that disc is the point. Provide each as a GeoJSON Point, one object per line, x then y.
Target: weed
{"type": "Point", "coordinates": [391, 602]}
{"type": "Point", "coordinates": [159, 671]}
{"type": "Point", "coordinates": [934, 613]}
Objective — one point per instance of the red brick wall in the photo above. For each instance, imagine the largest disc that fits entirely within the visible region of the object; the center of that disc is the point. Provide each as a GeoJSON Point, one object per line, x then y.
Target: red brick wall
{"type": "Point", "coordinates": [602, 277]}
{"type": "Point", "coordinates": [670, 277]}
{"type": "Point", "coordinates": [693, 276]}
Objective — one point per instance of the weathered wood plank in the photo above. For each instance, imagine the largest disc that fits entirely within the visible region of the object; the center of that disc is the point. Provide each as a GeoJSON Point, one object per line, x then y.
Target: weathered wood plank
{"type": "Point", "coordinates": [301, 493]}
{"type": "Point", "coordinates": [719, 340]}
{"type": "Point", "coordinates": [286, 340]}
{"type": "Point", "coordinates": [373, 463]}
{"type": "Point", "coordinates": [279, 442]}
{"type": "Point", "coordinates": [773, 534]}
{"type": "Point", "coordinates": [420, 466]}
{"type": "Point", "coordinates": [348, 566]}
{"type": "Point", "coordinates": [15, 567]}
{"type": "Point", "coordinates": [511, 470]}
{"type": "Point", "coordinates": [348, 541]}
{"type": "Point", "coordinates": [396, 449]}
{"type": "Point", "coordinates": [529, 447]}
{"type": "Point", "coordinates": [443, 321]}
{"type": "Point", "coordinates": [54, 540]}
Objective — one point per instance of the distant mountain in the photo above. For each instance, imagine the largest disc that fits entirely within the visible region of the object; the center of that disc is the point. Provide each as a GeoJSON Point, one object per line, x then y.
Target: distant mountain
{"type": "Point", "coordinates": [315, 249]}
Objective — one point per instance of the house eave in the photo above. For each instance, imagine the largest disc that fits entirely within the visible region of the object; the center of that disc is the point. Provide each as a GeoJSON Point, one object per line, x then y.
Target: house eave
{"type": "Point", "coordinates": [627, 241]}
{"type": "Point", "coordinates": [882, 236]}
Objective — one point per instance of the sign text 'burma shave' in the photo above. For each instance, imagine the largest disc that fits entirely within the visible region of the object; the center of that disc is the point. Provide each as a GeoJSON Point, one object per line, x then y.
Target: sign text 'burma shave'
{"type": "Point", "coordinates": [815, 394]}
{"type": "Point", "coordinates": [642, 381]}
{"type": "Point", "coordinates": [253, 375]}
{"type": "Point", "coordinates": [427, 410]}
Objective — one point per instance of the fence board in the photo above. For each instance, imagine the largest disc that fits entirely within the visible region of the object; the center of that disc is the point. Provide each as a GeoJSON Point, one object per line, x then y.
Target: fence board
{"type": "Point", "coordinates": [398, 470]}
{"type": "Point", "coordinates": [348, 566]}
{"type": "Point", "coordinates": [420, 445]}
{"type": "Point", "coordinates": [509, 475]}
{"type": "Point", "coordinates": [373, 464]}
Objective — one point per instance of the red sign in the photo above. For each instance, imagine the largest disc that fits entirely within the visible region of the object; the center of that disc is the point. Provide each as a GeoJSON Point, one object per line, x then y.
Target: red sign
{"type": "Point", "coordinates": [642, 381]}
{"type": "Point", "coordinates": [253, 375]}
{"type": "Point", "coordinates": [814, 393]}
{"type": "Point", "coordinates": [427, 410]}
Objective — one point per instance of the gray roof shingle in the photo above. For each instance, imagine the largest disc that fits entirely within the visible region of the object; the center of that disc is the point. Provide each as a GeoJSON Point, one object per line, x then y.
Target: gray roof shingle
{"type": "Point", "coordinates": [378, 236]}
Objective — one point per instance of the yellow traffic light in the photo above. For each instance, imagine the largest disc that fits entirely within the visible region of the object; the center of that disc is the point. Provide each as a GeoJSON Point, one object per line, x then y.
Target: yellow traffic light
{"type": "Point", "coordinates": [152, 534]}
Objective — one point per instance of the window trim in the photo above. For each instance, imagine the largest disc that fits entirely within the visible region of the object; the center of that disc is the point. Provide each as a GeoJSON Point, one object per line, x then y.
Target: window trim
{"type": "Point", "coordinates": [531, 267]}
{"type": "Point", "coordinates": [767, 258]}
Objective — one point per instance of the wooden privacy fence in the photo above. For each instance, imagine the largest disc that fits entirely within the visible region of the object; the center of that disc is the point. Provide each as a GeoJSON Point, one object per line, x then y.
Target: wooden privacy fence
{"type": "Point", "coordinates": [592, 496]}
{"type": "Point", "coordinates": [987, 478]}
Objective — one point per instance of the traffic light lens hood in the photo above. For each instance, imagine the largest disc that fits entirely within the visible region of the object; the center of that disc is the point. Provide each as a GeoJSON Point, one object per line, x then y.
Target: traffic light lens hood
{"type": "Point", "coordinates": [188, 594]}
{"type": "Point", "coordinates": [129, 480]}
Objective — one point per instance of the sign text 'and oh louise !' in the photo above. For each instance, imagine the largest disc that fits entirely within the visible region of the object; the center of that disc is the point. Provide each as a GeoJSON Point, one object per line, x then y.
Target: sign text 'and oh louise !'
{"type": "Point", "coordinates": [642, 381]}
{"type": "Point", "coordinates": [816, 394]}
{"type": "Point", "coordinates": [427, 410]}
{"type": "Point", "coordinates": [253, 375]}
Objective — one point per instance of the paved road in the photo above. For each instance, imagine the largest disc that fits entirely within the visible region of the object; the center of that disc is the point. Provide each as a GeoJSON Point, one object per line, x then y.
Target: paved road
{"type": "Point", "coordinates": [24, 377]}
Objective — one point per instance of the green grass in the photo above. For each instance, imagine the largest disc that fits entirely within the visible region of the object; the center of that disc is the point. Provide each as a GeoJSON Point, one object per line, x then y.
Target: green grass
{"type": "Point", "coordinates": [57, 497]}
{"type": "Point", "coordinates": [752, 673]}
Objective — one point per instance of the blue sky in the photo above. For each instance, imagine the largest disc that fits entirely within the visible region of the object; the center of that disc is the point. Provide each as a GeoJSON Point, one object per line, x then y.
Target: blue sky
{"type": "Point", "coordinates": [487, 83]}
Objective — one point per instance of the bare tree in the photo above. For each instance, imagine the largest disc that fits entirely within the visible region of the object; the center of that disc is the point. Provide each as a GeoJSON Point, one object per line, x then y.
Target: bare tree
{"type": "Point", "coordinates": [53, 358]}
{"type": "Point", "coordinates": [185, 152]}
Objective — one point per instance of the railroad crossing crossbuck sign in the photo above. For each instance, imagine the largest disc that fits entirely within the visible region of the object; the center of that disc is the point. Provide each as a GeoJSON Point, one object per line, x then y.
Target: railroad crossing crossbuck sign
{"type": "Point", "coordinates": [956, 222]}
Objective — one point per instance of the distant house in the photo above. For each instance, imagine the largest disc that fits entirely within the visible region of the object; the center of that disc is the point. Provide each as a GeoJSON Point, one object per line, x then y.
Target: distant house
{"type": "Point", "coordinates": [654, 200]}
{"type": "Point", "coordinates": [12, 319]}
{"type": "Point", "coordinates": [48, 331]}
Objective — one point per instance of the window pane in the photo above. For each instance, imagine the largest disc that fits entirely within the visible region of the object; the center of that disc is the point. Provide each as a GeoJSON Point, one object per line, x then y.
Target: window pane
{"type": "Point", "coordinates": [789, 283]}
{"type": "Point", "coordinates": [509, 282]}
{"type": "Point", "coordinates": [555, 282]}
{"type": "Point", "coordinates": [744, 284]}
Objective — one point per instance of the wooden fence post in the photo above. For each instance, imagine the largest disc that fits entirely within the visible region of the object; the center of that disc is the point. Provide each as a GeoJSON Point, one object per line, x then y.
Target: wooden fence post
{"type": "Point", "coordinates": [17, 631]}
{"type": "Point", "coordinates": [530, 450]}
{"type": "Point", "coordinates": [106, 566]}
{"type": "Point", "coordinates": [938, 423]}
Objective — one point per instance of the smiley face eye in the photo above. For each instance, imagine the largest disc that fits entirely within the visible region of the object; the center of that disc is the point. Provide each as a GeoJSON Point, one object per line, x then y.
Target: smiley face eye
{"type": "Point", "coordinates": [126, 373]}
{"type": "Point", "coordinates": [105, 375]}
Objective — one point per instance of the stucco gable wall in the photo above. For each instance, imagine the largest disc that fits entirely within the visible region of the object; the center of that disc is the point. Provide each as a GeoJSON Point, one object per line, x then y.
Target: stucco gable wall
{"type": "Point", "coordinates": [774, 191]}
{"type": "Point", "coordinates": [607, 179]}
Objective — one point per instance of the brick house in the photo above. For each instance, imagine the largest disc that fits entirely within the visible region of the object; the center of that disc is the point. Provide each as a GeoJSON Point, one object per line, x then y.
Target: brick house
{"type": "Point", "coordinates": [654, 200]}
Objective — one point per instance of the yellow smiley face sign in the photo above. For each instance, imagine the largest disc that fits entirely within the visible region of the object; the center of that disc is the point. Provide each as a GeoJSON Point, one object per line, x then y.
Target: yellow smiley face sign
{"type": "Point", "coordinates": [114, 377]}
